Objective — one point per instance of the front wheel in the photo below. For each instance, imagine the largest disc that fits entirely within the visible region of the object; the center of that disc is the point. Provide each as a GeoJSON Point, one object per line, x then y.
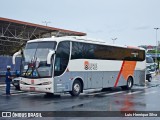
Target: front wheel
{"type": "Point", "coordinates": [76, 88]}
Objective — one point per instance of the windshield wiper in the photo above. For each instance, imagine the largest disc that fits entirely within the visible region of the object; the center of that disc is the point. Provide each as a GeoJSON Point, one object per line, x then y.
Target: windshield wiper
{"type": "Point", "coordinates": [33, 66]}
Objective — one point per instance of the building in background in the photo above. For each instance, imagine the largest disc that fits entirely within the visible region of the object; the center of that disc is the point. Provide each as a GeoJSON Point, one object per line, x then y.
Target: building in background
{"type": "Point", "coordinates": [14, 34]}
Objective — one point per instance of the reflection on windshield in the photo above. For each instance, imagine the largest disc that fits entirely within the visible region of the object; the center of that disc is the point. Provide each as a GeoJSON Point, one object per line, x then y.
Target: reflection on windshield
{"type": "Point", "coordinates": [34, 63]}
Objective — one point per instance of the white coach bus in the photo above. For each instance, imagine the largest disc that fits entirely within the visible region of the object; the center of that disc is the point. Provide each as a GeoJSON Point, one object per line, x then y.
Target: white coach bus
{"type": "Point", "coordinates": [73, 64]}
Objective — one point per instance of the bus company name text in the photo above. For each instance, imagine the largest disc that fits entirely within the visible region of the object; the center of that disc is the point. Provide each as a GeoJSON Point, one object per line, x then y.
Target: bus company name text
{"type": "Point", "coordinates": [91, 66]}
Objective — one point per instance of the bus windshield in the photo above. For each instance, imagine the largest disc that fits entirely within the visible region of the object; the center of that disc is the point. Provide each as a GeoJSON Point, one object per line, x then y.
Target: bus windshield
{"type": "Point", "coordinates": [34, 61]}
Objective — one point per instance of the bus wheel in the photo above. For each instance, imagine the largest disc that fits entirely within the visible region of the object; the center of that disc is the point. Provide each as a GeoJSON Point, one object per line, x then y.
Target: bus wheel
{"type": "Point", "coordinates": [76, 88]}
{"type": "Point", "coordinates": [129, 84]}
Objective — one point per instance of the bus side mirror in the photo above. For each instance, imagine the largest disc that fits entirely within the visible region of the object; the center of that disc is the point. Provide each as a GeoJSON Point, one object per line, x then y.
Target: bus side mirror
{"type": "Point", "coordinates": [19, 53]}
{"type": "Point", "coordinates": [51, 52]}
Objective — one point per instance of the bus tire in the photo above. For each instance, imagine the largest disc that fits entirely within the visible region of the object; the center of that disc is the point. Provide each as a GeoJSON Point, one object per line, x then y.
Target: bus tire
{"type": "Point", "coordinates": [129, 84]}
{"type": "Point", "coordinates": [76, 88]}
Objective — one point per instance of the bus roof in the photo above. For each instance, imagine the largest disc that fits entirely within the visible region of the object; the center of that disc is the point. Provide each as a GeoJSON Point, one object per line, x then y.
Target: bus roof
{"type": "Point", "coordinates": [80, 39]}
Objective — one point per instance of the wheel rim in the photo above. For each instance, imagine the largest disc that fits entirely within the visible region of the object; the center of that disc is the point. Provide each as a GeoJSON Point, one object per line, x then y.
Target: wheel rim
{"type": "Point", "coordinates": [129, 83]}
{"type": "Point", "coordinates": [76, 88]}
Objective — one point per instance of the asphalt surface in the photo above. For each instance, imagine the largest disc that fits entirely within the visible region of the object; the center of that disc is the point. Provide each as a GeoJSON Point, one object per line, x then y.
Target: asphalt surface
{"type": "Point", "coordinates": [140, 98]}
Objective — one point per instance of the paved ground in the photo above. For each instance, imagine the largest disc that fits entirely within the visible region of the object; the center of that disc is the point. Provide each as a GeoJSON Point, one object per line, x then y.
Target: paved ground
{"type": "Point", "coordinates": [140, 98]}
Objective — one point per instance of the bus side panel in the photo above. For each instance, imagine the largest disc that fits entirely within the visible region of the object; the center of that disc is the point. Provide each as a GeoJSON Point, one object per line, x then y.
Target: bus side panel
{"type": "Point", "coordinates": [140, 77]}
{"type": "Point", "coordinates": [109, 78]}
{"type": "Point", "coordinates": [87, 80]}
{"type": "Point", "coordinates": [97, 79]}
{"type": "Point", "coordinates": [62, 83]}
{"type": "Point", "coordinates": [140, 73]}
{"type": "Point", "coordinates": [91, 79]}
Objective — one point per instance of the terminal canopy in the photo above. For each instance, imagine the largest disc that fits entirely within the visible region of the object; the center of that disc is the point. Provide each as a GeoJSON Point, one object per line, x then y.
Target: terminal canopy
{"type": "Point", "coordinates": [14, 34]}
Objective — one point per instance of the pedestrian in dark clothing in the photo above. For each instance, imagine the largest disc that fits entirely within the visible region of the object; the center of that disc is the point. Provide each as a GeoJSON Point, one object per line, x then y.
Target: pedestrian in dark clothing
{"type": "Point", "coordinates": [8, 80]}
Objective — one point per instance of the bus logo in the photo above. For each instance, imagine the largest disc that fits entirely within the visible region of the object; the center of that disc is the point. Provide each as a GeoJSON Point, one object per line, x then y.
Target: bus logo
{"type": "Point", "coordinates": [90, 66]}
{"type": "Point", "coordinates": [86, 65]}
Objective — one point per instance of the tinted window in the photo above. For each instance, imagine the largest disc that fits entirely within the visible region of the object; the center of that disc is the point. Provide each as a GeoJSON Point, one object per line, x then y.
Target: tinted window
{"type": "Point", "coordinates": [93, 51]}
{"type": "Point", "coordinates": [82, 51]}
{"type": "Point", "coordinates": [117, 53]}
{"type": "Point", "coordinates": [62, 58]}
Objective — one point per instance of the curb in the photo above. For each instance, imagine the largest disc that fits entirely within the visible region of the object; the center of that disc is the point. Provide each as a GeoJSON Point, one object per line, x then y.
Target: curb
{"type": "Point", "coordinates": [3, 85]}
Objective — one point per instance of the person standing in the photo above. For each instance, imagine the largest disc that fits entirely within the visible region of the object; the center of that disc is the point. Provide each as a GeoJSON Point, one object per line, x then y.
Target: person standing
{"type": "Point", "coordinates": [8, 80]}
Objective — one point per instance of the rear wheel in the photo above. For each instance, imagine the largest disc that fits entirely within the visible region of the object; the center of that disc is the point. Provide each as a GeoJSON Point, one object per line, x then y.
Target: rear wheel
{"type": "Point", "coordinates": [129, 84]}
{"type": "Point", "coordinates": [76, 88]}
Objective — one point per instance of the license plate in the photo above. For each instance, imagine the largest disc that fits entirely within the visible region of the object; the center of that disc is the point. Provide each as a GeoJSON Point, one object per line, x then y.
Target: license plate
{"type": "Point", "coordinates": [32, 88]}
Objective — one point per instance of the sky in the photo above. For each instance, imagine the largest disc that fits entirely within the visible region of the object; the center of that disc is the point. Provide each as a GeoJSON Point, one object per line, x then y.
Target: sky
{"type": "Point", "coordinates": [132, 22]}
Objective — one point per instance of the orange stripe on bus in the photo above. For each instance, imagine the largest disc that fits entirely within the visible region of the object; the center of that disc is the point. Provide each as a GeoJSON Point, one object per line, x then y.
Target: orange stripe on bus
{"type": "Point", "coordinates": [118, 77]}
{"type": "Point", "coordinates": [127, 69]}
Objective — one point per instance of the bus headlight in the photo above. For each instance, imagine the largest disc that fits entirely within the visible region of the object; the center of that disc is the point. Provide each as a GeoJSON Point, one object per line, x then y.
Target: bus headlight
{"type": "Point", "coordinates": [46, 83]}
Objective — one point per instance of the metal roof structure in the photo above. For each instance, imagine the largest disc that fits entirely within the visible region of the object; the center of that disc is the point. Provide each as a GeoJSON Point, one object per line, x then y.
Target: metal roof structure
{"type": "Point", "coordinates": [14, 34]}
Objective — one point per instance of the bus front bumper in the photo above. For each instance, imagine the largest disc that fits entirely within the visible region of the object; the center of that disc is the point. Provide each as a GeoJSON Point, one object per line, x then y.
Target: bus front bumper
{"type": "Point", "coordinates": [32, 88]}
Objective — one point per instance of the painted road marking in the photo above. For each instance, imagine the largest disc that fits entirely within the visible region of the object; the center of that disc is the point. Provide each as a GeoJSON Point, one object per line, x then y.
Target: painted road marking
{"type": "Point", "coordinates": [3, 85]}
{"type": "Point", "coordinates": [131, 93]}
{"type": "Point", "coordinates": [105, 93]}
{"type": "Point", "coordinates": [114, 93]}
{"type": "Point", "coordinates": [95, 93]}
{"type": "Point", "coordinates": [23, 93]}
{"type": "Point", "coordinates": [146, 93]}
{"type": "Point", "coordinates": [4, 90]}
{"type": "Point", "coordinates": [30, 94]}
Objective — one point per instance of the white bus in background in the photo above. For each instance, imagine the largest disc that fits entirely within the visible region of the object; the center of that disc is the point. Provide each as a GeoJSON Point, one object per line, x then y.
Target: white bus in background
{"type": "Point", "coordinates": [73, 64]}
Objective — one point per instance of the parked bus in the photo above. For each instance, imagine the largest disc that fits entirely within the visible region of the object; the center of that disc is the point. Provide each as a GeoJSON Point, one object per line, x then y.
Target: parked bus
{"type": "Point", "coordinates": [73, 64]}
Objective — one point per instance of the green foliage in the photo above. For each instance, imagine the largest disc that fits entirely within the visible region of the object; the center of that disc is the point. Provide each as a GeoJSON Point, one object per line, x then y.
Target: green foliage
{"type": "Point", "coordinates": [153, 51]}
